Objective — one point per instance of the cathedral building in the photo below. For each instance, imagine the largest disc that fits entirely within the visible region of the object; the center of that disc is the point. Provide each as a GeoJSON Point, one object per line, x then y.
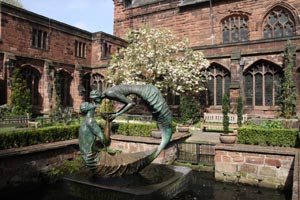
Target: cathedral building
{"type": "Point", "coordinates": [53, 57]}
{"type": "Point", "coordinates": [244, 40]}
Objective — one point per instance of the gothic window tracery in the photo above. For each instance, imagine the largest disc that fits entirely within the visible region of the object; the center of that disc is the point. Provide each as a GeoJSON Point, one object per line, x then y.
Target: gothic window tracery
{"type": "Point", "coordinates": [279, 23]}
{"type": "Point", "coordinates": [218, 85]}
{"type": "Point", "coordinates": [262, 84]}
{"type": "Point", "coordinates": [235, 29]}
{"type": "Point", "coordinates": [97, 82]}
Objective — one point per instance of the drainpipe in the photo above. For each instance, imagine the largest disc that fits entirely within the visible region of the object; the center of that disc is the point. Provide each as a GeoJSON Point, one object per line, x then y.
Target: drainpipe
{"type": "Point", "coordinates": [212, 23]}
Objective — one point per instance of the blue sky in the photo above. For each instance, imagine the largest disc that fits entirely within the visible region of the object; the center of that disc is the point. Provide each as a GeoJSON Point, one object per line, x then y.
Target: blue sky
{"type": "Point", "coordinates": [90, 15]}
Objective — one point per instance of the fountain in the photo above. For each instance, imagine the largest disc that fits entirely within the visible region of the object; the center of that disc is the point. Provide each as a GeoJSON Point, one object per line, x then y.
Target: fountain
{"type": "Point", "coordinates": [120, 175]}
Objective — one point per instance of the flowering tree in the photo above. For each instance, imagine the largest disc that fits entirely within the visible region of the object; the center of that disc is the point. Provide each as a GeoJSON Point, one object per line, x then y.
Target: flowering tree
{"type": "Point", "coordinates": [13, 2]}
{"type": "Point", "coordinates": [154, 56]}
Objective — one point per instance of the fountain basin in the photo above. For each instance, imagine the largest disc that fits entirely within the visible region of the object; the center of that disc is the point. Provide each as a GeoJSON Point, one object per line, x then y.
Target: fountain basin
{"type": "Point", "coordinates": [155, 181]}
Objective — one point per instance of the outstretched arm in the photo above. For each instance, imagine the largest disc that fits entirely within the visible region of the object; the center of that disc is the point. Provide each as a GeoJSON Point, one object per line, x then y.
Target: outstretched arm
{"type": "Point", "coordinates": [120, 98]}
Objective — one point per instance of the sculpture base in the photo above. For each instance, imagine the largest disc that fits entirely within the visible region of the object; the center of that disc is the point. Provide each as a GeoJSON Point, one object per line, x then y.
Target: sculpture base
{"type": "Point", "coordinates": [155, 181]}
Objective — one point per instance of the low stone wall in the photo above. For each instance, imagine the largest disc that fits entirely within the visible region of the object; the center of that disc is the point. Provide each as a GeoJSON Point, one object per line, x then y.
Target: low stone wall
{"type": "Point", "coordinates": [25, 165]}
{"type": "Point", "coordinates": [271, 167]}
{"type": "Point", "coordinates": [131, 144]}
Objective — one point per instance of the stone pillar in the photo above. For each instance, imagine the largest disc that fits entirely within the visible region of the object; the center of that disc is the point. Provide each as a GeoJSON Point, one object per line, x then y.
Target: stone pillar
{"type": "Point", "coordinates": [235, 80]}
{"type": "Point", "coordinates": [78, 95]}
{"type": "Point", "coordinates": [49, 72]}
{"type": "Point", "coordinates": [10, 65]}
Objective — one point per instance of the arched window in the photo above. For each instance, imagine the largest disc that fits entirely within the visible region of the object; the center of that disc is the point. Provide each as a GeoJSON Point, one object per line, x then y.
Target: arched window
{"type": "Point", "coordinates": [235, 29]}
{"type": "Point", "coordinates": [218, 85]}
{"type": "Point", "coordinates": [64, 87]}
{"type": "Point", "coordinates": [32, 77]}
{"type": "Point", "coordinates": [279, 23]}
{"type": "Point", "coordinates": [127, 3]}
{"type": "Point", "coordinates": [86, 83]}
{"type": "Point", "coordinates": [97, 81]}
{"type": "Point", "coordinates": [262, 84]}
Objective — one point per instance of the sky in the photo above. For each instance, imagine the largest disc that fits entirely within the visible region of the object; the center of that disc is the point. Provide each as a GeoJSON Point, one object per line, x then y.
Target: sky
{"type": "Point", "coordinates": [90, 15]}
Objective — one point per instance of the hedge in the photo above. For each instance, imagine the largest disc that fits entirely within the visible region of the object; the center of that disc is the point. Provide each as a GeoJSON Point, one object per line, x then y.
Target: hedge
{"type": "Point", "coordinates": [268, 137]}
{"type": "Point", "coordinates": [135, 129]}
{"type": "Point", "coordinates": [27, 137]}
{"type": "Point", "coordinates": [138, 129]}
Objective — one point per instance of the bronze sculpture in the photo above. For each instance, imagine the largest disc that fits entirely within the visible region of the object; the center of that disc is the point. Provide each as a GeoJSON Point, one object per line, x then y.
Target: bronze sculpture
{"type": "Point", "coordinates": [104, 164]}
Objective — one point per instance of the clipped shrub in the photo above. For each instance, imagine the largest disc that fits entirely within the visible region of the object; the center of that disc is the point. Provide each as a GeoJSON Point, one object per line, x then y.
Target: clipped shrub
{"type": "Point", "coordinates": [21, 138]}
{"type": "Point", "coordinates": [138, 129]}
{"type": "Point", "coordinates": [225, 110]}
{"type": "Point", "coordinates": [27, 137]}
{"type": "Point", "coordinates": [135, 129]}
{"type": "Point", "coordinates": [268, 137]}
{"type": "Point", "coordinates": [189, 109]}
{"type": "Point", "coordinates": [240, 111]}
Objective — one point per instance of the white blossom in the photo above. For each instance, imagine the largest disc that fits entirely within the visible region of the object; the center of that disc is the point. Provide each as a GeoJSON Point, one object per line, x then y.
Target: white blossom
{"type": "Point", "coordinates": [154, 57]}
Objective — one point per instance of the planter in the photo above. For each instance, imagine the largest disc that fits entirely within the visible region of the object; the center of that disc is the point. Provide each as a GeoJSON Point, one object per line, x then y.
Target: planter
{"type": "Point", "coordinates": [229, 138]}
{"type": "Point", "coordinates": [183, 128]}
{"type": "Point", "coordinates": [156, 134]}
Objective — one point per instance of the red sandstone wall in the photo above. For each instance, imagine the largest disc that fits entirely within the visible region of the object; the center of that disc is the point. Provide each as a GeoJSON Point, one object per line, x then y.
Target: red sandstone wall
{"type": "Point", "coordinates": [17, 33]}
{"type": "Point", "coordinates": [205, 34]}
{"type": "Point", "coordinates": [16, 42]}
{"type": "Point", "coordinates": [194, 22]}
{"type": "Point", "coordinates": [168, 155]}
{"type": "Point", "coordinates": [98, 38]}
{"type": "Point", "coordinates": [259, 166]}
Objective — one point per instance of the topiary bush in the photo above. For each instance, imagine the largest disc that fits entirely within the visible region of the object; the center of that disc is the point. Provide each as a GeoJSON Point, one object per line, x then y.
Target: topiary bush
{"type": "Point", "coordinates": [189, 109]}
{"type": "Point", "coordinates": [239, 111]}
{"type": "Point", "coordinates": [268, 137]}
{"type": "Point", "coordinates": [225, 110]}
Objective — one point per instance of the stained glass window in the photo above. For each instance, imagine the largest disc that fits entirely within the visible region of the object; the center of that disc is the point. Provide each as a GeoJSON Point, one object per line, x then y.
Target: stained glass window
{"type": "Point", "coordinates": [219, 89]}
{"type": "Point", "coordinates": [268, 89]}
{"type": "Point", "coordinates": [262, 84]}
{"type": "Point", "coordinates": [279, 23]}
{"type": "Point", "coordinates": [218, 85]}
{"type": "Point", "coordinates": [258, 90]}
{"type": "Point", "coordinates": [249, 89]}
{"type": "Point", "coordinates": [235, 29]}
{"type": "Point", "coordinates": [210, 87]}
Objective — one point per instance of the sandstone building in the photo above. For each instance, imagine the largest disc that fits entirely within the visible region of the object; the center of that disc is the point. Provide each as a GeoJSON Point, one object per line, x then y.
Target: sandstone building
{"type": "Point", "coordinates": [244, 41]}
{"type": "Point", "coordinates": [49, 52]}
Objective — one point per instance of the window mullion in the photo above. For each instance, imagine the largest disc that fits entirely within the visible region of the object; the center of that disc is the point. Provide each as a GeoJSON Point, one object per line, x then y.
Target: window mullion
{"type": "Point", "coordinates": [254, 90]}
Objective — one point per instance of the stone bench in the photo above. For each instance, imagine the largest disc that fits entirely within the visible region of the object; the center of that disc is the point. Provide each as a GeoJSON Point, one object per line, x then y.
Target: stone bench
{"type": "Point", "coordinates": [215, 120]}
{"type": "Point", "coordinates": [17, 121]}
{"type": "Point", "coordinates": [14, 121]}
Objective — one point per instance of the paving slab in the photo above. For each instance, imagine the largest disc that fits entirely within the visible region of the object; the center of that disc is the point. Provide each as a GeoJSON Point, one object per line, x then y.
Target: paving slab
{"type": "Point", "coordinates": [199, 136]}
